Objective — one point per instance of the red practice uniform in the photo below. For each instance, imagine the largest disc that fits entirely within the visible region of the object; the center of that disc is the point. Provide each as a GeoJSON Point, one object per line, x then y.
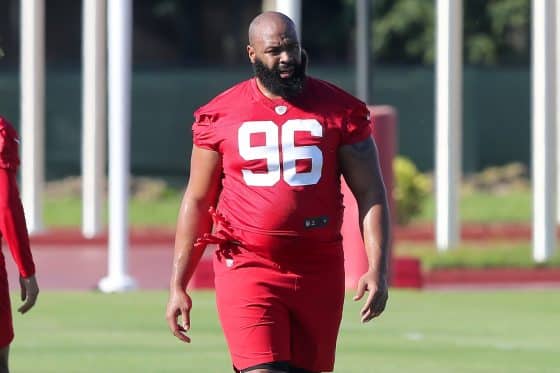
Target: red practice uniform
{"type": "Point", "coordinates": [12, 225]}
{"type": "Point", "coordinates": [279, 268]}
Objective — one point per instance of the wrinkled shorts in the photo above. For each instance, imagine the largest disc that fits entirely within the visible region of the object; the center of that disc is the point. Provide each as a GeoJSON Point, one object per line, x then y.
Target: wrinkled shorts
{"type": "Point", "coordinates": [270, 313]}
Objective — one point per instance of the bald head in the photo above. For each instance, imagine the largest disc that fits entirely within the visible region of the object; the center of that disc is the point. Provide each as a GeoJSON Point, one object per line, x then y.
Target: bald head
{"type": "Point", "coordinates": [271, 23]}
{"type": "Point", "coordinates": [276, 55]}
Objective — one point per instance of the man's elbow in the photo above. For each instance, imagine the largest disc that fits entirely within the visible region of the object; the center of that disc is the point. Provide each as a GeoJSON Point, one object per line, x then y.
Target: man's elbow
{"type": "Point", "coordinates": [371, 196]}
{"type": "Point", "coordinates": [379, 198]}
{"type": "Point", "coordinates": [196, 204]}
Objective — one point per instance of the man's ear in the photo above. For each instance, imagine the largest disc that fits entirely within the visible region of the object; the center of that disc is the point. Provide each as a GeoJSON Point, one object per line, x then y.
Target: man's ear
{"type": "Point", "coordinates": [251, 53]}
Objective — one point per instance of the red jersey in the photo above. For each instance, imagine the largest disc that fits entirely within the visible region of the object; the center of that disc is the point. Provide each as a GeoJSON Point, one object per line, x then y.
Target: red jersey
{"type": "Point", "coordinates": [281, 175]}
{"type": "Point", "coordinates": [12, 219]}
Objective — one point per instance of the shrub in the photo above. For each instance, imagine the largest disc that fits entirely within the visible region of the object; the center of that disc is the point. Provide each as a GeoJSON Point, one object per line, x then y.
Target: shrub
{"type": "Point", "coordinates": [410, 191]}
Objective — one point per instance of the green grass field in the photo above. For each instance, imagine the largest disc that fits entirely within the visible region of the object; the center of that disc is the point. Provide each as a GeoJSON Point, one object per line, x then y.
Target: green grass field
{"type": "Point", "coordinates": [475, 207]}
{"type": "Point", "coordinates": [488, 254]}
{"type": "Point", "coordinates": [67, 212]}
{"type": "Point", "coordinates": [487, 331]}
{"type": "Point", "coordinates": [483, 207]}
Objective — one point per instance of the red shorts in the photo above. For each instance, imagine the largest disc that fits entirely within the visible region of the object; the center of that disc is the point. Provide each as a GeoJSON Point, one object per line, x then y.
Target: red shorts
{"type": "Point", "coordinates": [270, 313]}
{"type": "Point", "coordinates": [6, 327]}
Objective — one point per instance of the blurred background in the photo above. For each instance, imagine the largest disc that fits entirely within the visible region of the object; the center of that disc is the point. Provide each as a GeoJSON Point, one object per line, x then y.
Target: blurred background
{"type": "Point", "coordinates": [187, 51]}
{"type": "Point", "coordinates": [488, 318]}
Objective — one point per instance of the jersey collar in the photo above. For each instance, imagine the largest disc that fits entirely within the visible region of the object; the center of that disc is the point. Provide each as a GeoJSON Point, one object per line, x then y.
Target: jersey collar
{"type": "Point", "coordinates": [273, 103]}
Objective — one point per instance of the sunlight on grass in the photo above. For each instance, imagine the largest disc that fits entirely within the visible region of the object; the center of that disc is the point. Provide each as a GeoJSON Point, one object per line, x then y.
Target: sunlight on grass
{"type": "Point", "coordinates": [420, 331]}
{"type": "Point", "coordinates": [480, 207]}
{"type": "Point", "coordinates": [475, 255]}
{"type": "Point", "coordinates": [66, 212]}
{"type": "Point", "coordinates": [513, 207]}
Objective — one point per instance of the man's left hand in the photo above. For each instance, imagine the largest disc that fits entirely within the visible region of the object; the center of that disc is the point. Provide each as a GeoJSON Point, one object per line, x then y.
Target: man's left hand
{"type": "Point", "coordinates": [376, 285]}
{"type": "Point", "coordinates": [29, 292]}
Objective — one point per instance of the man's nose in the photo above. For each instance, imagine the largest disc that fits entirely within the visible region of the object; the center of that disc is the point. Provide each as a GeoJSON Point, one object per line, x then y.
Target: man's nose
{"type": "Point", "coordinates": [287, 57]}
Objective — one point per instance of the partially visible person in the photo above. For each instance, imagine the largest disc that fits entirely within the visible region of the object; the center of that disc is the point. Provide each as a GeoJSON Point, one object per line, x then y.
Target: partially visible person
{"type": "Point", "coordinates": [13, 230]}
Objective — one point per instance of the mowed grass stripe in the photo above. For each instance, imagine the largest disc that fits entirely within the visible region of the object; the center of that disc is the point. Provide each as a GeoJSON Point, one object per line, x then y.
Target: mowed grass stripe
{"type": "Point", "coordinates": [485, 331]}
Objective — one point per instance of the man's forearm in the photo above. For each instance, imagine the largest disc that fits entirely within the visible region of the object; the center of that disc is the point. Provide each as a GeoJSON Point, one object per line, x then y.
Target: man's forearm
{"type": "Point", "coordinates": [194, 220]}
{"type": "Point", "coordinates": [374, 219]}
{"type": "Point", "coordinates": [184, 265]}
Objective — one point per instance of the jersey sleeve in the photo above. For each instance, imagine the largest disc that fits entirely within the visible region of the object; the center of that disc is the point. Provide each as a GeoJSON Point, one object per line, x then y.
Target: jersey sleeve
{"type": "Point", "coordinates": [357, 125]}
{"type": "Point", "coordinates": [12, 223]}
{"type": "Point", "coordinates": [9, 158]}
{"type": "Point", "coordinates": [204, 131]}
{"type": "Point", "coordinates": [12, 219]}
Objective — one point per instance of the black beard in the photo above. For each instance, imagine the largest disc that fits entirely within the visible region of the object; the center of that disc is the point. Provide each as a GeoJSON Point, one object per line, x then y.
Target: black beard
{"type": "Point", "coordinates": [283, 87]}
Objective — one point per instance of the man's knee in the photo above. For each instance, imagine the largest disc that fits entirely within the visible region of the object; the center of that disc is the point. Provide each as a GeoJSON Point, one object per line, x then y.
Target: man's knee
{"type": "Point", "coordinates": [272, 367]}
{"type": "Point", "coordinates": [275, 367]}
{"type": "Point", "coordinates": [299, 370]}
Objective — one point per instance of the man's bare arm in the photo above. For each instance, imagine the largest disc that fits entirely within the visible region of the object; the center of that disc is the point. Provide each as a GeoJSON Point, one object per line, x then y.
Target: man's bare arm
{"type": "Point", "coordinates": [360, 167]}
{"type": "Point", "coordinates": [193, 221]}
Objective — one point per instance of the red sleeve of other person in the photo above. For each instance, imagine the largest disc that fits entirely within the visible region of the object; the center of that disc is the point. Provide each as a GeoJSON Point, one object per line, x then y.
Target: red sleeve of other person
{"type": "Point", "coordinates": [12, 219]}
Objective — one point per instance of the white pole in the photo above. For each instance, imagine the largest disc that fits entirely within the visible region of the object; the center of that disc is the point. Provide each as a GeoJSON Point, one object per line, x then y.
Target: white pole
{"type": "Point", "coordinates": [544, 130]}
{"type": "Point", "coordinates": [32, 21]}
{"type": "Point", "coordinates": [119, 34]}
{"type": "Point", "coordinates": [93, 116]}
{"type": "Point", "coordinates": [363, 50]}
{"type": "Point", "coordinates": [557, 119]}
{"type": "Point", "coordinates": [448, 121]}
{"type": "Point", "coordinates": [291, 8]}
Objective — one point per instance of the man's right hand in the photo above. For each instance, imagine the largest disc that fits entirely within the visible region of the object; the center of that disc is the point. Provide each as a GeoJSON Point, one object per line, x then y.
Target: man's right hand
{"type": "Point", "coordinates": [179, 304]}
{"type": "Point", "coordinates": [29, 293]}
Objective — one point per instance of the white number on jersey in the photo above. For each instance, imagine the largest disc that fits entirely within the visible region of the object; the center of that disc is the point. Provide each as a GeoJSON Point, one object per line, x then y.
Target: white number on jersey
{"type": "Point", "coordinates": [270, 151]}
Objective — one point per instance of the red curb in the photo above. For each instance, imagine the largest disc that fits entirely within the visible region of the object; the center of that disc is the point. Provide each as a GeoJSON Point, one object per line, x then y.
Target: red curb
{"type": "Point", "coordinates": [71, 237]}
{"type": "Point", "coordinates": [165, 235]}
{"type": "Point", "coordinates": [474, 232]}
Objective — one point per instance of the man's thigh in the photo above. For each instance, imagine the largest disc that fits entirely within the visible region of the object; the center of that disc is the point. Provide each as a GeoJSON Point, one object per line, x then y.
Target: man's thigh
{"type": "Point", "coordinates": [6, 328]}
{"type": "Point", "coordinates": [316, 316]}
{"type": "Point", "coordinates": [250, 297]}
{"type": "Point", "coordinates": [4, 352]}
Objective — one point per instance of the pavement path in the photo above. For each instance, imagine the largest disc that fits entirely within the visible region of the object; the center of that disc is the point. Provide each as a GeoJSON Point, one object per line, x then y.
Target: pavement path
{"type": "Point", "coordinates": [81, 267]}
{"type": "Point", "coordinates": [67, 261]}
